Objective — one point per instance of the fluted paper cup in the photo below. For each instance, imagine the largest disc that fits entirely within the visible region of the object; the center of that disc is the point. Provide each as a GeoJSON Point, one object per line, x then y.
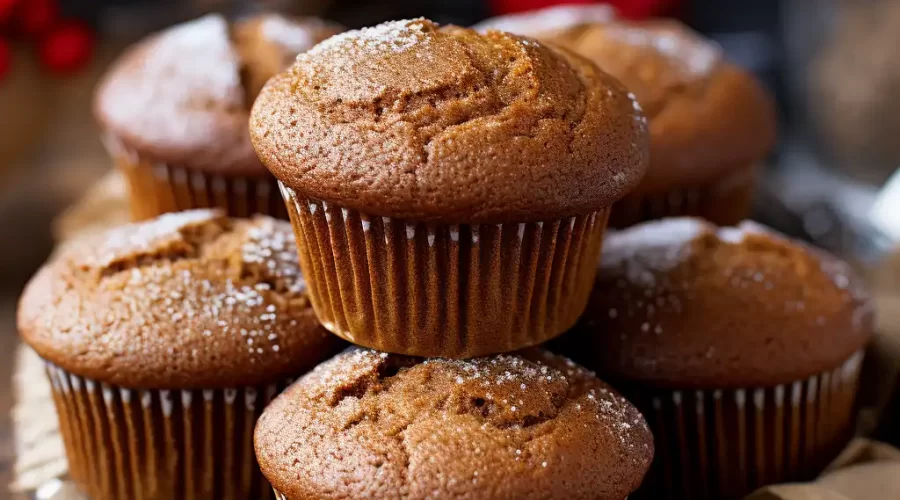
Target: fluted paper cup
{"type": "Point", "coordinates": [444, 290]}
{"type": "Point", "coordinates": [725, 202]}
{"type": "Point", "coordinates": [160, 444]}
{"type": "Point", "coordinates": [724, 444]}
{"type": "Point", "coordinates": [156, 188]}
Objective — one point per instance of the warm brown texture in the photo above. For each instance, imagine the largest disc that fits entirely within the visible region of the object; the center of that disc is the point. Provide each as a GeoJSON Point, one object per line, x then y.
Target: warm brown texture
{"type": "Point", "coordinates": [410, 120]}
{"type": "Point", "coordinates": [189, 300]}
{"type": "Point", "coordinates": [525, 425]}
{"type": "Point", "coordinates": [159, 444]}
{"type": "Point", "coordinates": [707, 116]}
{"type": "Point", "coordinates": [182, 96]}
{"type": "Point", "coordinates": [680, 303]}
{"type": "Point", "coordinates": [448, 291]}
{"type": "Point", "coordinates": [723, 444]}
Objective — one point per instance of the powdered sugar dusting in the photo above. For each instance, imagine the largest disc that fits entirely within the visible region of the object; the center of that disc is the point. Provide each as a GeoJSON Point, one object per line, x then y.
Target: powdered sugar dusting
{"type": "Point", "coordinates": [205, 283]}
{"type": "Point", "coordinates": [738, 233]}
{"type": "Point", "coordinates": [553, 18]}
{"type": "Point", "coordinates": [506, 383]}
{"type": "Point", "coordinates": [292, 36]}
{"type": "Point", "coordinates": [271, 243]}
{"type": "Point", "coordinates": [748, 266]}
{"type": "Point", "coordinates": [393, 36]}
{"type": "Point", "coordinates": [201, 54]}
{"type": "Point", "coordinates": [146, 236]}
{"type": "Point", "coordinates": [696, 55]}
{"type": "Point", "coordinates": [189, 64]}
{"type": "Point", "coordinates": [651, 247]}
{"type": "Point", "coordinates": [490, 412]}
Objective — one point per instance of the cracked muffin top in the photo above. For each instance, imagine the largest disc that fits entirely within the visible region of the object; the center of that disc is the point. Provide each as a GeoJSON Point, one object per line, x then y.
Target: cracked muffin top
{"type": "Point", "coordinates": [524, 425]}
{"type": "Point", "coordinates": [707, 116]}
{"type": "Point", "coordinates": [682, 303]}
{"type": "Point", "coordinates": [411, 120]}
{"type": "Point", "coordinates": [182, 96]}
{"type": "Point", "coordinates": [188, 300]}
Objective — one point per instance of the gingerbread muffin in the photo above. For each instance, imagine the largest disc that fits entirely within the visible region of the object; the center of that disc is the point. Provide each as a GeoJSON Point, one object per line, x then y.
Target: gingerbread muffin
{"type": "Point", "coordinates": [741, 347]}
{"type": "Point", "coordinates": [524, 425]}
{"type": "Point", "coordinates": [164, 341]}
{"type": "Point", "coordinates": [711, 123]}
{"type": "Point", "coordinates": [450, 189]}
{"type": "Point", "coordinates": [173, 111]}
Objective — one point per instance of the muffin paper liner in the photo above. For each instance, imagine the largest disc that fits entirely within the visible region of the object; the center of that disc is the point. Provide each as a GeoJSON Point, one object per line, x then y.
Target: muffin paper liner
{"type": "Point", "coordinates": [160, 444]}
{"type": "Point", "coordinates": [444, 290]}
{"type": "Point", "coordinates": [725, 202]}
{"type": "Point", "coordinates": [724, 444]}
{"type": "Point", "coordinates": [157, 188]}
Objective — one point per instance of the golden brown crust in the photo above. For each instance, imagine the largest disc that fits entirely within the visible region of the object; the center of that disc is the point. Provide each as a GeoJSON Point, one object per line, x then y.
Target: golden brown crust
{"type": "Point", "coordinates": [525, 425]}
{"type": "Point", "coordinates": [680, 303]}
{"type": "Point", "coordinates": [182, 96]}
{"type": "Point", "coordinates": [411, 120]}
{"type": "Point", "coordinates": [706, 115]}
{"type": "Point", "coordinates": [188, 300]}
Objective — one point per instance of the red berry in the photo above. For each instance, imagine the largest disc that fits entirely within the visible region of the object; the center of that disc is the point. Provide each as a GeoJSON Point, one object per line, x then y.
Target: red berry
{"type": "Point", "coordinates": [642, 9]}
{"type": "Point", "coordinates": [37, 17]}
{"type": "Point", "coordinates": [5, 58]}
{"type": "Point", "coordinates": [67, 48]}
{"type": "Point", "coordinates": [6, 9]}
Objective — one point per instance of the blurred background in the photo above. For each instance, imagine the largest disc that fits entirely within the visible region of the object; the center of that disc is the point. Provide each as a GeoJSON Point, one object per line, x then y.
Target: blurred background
{"type": "Point", "coordinates": [831, 64]}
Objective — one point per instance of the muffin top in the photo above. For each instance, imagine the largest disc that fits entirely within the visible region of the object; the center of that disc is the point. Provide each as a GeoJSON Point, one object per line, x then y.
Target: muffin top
{"type": "Point", "coordinates": [707, 116]}
{"type": "Point", "coordinates": [680, 303]}
{"type": "Point", "coordinates": [523, 425]}
{"type": "Point", "coordinates": [188, 300]}
{"type": "Point", "coordinates": [411, 120]}
{"type": "Point", "coordinates": [183, 96]}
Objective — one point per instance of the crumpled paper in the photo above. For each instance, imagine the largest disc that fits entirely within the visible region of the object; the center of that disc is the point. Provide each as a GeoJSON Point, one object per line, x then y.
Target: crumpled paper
{"type": "Point", "coordinates": [40, 455]}
{"type": "Point", "coordinates": [868, 469]}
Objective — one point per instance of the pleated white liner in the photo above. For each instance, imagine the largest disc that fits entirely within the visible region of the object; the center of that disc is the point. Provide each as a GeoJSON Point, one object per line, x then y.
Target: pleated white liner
{"type": "Point", "coordinates": [713, 444]}
{"type": "Point", "coordinates": [440, 289]}
{"type": "Point", "coordinates": [155, 444]}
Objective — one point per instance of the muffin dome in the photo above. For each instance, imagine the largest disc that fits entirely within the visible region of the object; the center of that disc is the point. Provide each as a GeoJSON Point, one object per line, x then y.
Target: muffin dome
{"type": "Point", "coordinates": [525, 425]}
{"type": "Point", "coordinates": [411, 120]}
{"type": "Point", "coordinates": [183, 95]}
{"type": "Point", "coordinates": [189, 300]}
{"type": "Point", "coordinates": [680, 303]}
{"type": "Point", "coordinates": [706, 115]}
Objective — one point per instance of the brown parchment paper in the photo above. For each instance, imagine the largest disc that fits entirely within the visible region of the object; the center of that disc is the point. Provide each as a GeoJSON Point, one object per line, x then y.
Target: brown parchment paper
{"type": "Point", "coordinates": [868, 469]}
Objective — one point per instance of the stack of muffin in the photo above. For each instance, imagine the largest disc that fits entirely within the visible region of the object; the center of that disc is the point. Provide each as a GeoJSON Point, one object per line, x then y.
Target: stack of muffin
{"type": "Point", "coordinates": [448, 191]}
